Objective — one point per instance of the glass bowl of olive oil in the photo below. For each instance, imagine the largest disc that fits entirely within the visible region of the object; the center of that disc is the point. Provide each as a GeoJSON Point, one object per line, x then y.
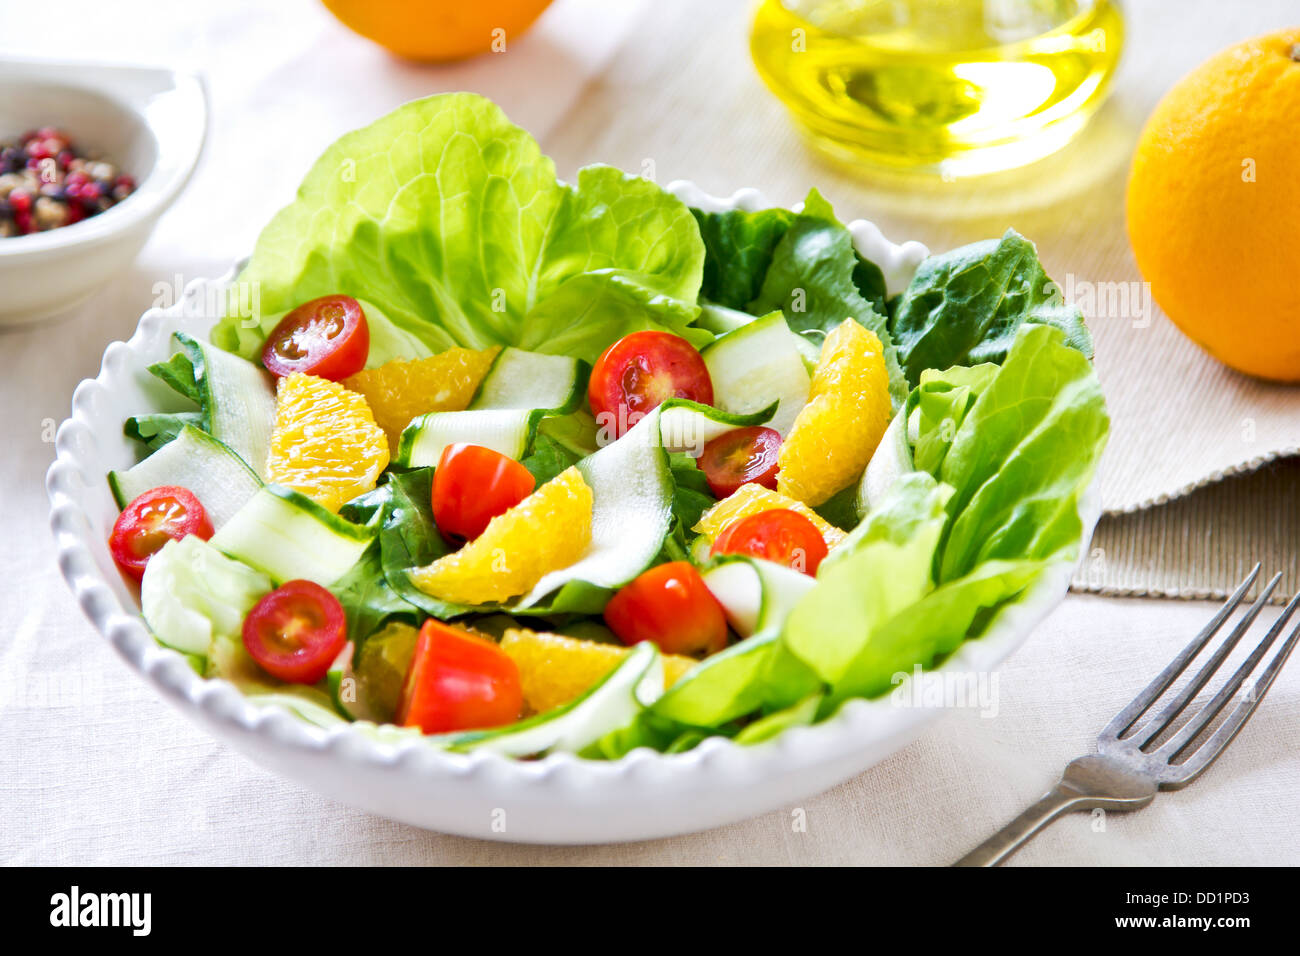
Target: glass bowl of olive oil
{"type": "Point", "coordinates": [951, 87]}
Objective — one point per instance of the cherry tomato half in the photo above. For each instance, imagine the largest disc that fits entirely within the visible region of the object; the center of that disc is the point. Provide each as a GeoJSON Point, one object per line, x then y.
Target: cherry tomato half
{"type": "Point", "coordinates": [150, 521]}
{"type": "Point", "coordinates": [296, 631]}
{"type": "Point", "coordinates": [779, 535]}
{"type": "Point", "coordinates": [640, 371]}
{"type": "Point", "coordinates": [741, 456]}
{"type": "Point", "coordinates": [472, 485]}
{"type": "Point", "coordinates": [671, 606]}
{"type": "Point", "coordinates": [327, 337]}
{"type": "Point", "coordinates": [458, 681]}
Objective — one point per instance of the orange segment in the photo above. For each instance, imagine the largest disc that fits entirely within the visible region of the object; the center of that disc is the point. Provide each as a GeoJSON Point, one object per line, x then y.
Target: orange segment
{"type": "Point", "coordinates": [750, 500]}
{"type": "Point", "coordinates": [554, 669]}
{"type": "Point", "coordinates": [325, 442]}
{"type": "Point", "coordinates": [548, 530]}
{"type": "Point", "coordinates": [399, 391]}
{"type": "Point", "coordinates": [848, 411]}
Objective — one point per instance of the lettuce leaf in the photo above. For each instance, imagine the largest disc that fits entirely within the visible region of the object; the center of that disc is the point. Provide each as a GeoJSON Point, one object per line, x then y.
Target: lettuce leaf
{"type": "Point", "coordinates": [940, 404]}
{"type": "Point", "coordinates": [739, 247]}
{"type": "Point", "coordinates": [885, 570]}
{"type": "Point", "coordinates": [1009, 451]}
{"type": "Point", "coordinates": [449, 224]}
{"type": "Point", "coordinates": [1023, 454]}
{"type": "Point", "coordinates": [803, 264]}
{"type": "Point", "coordinates": [964, 307]}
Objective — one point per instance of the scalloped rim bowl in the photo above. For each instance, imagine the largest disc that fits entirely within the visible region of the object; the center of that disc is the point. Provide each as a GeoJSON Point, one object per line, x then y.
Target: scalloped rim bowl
{"type": "Point", "coordinates": [558, 799]}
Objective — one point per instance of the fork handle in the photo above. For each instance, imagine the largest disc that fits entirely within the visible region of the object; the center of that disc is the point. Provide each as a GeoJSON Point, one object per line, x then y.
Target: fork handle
{"type": "Point", "coordinates": [1016, 833]}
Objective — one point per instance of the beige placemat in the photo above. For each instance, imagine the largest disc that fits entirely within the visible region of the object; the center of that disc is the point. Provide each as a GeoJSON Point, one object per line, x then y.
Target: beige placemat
{"type": "Point", "coordinates": [1200, 545]}
{"type": "Point", "coordinates": [682, 100]}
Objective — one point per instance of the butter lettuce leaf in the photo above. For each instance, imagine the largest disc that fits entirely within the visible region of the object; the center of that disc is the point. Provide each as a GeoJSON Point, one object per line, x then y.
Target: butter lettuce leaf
{"type": "Point", "coordinates": [450, 226]}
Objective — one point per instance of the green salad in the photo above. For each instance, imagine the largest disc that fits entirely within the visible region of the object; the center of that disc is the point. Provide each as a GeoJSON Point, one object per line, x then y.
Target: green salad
{"type": "Point", "coordinates": [499, 462]}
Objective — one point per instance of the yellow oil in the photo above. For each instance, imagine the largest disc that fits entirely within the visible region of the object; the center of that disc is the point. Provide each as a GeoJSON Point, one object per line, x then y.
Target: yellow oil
{"type": "Point", "coordinates": [956, 87]}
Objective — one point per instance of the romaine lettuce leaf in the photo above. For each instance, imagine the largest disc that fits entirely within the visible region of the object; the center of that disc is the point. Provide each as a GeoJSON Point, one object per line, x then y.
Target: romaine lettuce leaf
{"type": "Point", "coordinates": [940, 404]}
{"type": "Point", "coordinates": [885, 570]}
{"type": "Point", "coordinates": [449, 223]}
{"type": "Point", "coordinates": [1012, 448]}
{"type": "Point", "coordinates": [1023, 454]}
{"type": "Point", "coordinates": [964, 307]}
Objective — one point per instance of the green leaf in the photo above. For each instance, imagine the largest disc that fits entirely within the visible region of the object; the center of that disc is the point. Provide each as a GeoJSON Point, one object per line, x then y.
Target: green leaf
{"type": "Point", "coordinates": [179, 374]}
{"type": "Point", "coordinates": [448, 220]}
{"type": "Point", "coordinates": [368, 600]}
{"type": "Point", "coordinates": [883, 571]}
{"type": "Point", "coordinates": [802, 264]}
{"type": "Point", "coordinates": [691, 498]}
{"type": "Point", "coordinates": [841, 509]}
{"type": "Point", "coordinates": [1023, 455]}
{"type": "Point", "coordinates": [548, 459]}
{"type": "Point", "coordinates": [796, 715]}
{"type": "Point", "coordinates": [912, 503]}
{"type": "Point", "coordinates": [409, 538]}
{"type": "Point", "coordinates": [691, 493]}
{"type": "Point", "coordinates": [931, 628]}
{"type": "Point", "coordinates": [964, 307]}
{"type": "Point", "coordinates": [738, 252]}
{"type": "Point", "coordinates": [157, 430]}
{"type": "Point", "coordinates": [941, 402]}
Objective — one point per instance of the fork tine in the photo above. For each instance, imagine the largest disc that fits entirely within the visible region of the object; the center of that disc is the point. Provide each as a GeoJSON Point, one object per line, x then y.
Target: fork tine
{"type": "Point", "coordinates": [1173, 748]}
{"type": "Point", "coordinates": [1218, 742]}
{"type": "Point", "coordinates": [1163, 720]}
{"type": "Point", "coordinates": [1127, 717]}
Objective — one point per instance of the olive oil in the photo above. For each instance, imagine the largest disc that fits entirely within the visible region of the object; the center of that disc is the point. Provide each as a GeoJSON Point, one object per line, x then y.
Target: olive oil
{"type": "Point", "coordinates": [955, 87]}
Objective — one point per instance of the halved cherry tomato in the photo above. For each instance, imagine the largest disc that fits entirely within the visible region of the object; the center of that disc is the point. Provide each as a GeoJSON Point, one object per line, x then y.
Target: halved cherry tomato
{"type": "Point", "coordinates": [640, 371]}
{"type": "Point", "coordinates": [296, 631]}
{"type": "Point", "coordinates": [779, 535]}
{"type": "Point", "coordinates": [472, 485]}
{"type": "Point", "coordinates": [739, 457]}
{"type": "Point", "coordinates": [458, 681]}
{"type": "Point", "coordinates": [327, 337]}
{"type": "Point", "coordinates": [150, 521]}
{"type": "Point", "coordinates": [671, 606]}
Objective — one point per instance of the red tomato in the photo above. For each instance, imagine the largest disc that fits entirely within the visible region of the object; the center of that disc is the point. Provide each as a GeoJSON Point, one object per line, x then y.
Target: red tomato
{"type": "Point", "coordinates": [150, 521]}
{"type": "Point", "coordinates": [296, 631]}
{"type": "Point", "coordinates": [640, 371]}
{"type": "Point", "coordinates": [741, 456]}
{"type": "Point", "coordinates": [779, 535]}
{"type": "Point", "coordinates": [328, 337]}
{"type": "Point", "coordinates": [671, 606]}
{"type": "Point", "coordinates": [458, 681]}
{"type": "Point", "coordinates": [472, 485]}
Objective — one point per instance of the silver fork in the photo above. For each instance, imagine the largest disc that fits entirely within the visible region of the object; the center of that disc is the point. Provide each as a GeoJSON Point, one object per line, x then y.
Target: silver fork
{"type": "Point", "coordinates": [1128, 770]}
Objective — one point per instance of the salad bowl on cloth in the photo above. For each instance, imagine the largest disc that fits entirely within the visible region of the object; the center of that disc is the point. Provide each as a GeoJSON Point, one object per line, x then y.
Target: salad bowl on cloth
{"type": "Point", "coordinates": [974, 604]}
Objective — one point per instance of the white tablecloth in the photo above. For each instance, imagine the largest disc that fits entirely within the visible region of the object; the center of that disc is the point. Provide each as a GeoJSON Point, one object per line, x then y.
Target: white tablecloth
{"type": "Point", "coordinates": [97, 770]}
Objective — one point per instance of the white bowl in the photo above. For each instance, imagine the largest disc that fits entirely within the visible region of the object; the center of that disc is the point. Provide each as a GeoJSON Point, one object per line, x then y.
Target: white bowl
{"type": "Point", "coordinates": [150, 122]}
{"type": "Point", "coordinates": [559, 799]}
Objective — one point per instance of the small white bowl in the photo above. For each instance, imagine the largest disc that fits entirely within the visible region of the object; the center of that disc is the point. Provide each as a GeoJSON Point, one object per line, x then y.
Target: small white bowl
{"type": "Point", "coordinates": [149, 122]}
{"type": "Point", "coordinates": [559, 799]}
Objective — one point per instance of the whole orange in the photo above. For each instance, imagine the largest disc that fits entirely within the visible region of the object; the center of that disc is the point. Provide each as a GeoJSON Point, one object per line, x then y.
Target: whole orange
{"type": "Point", "coordinates": [1213, 201]}
{"type": "Point", "coordinates": [438, 29]}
